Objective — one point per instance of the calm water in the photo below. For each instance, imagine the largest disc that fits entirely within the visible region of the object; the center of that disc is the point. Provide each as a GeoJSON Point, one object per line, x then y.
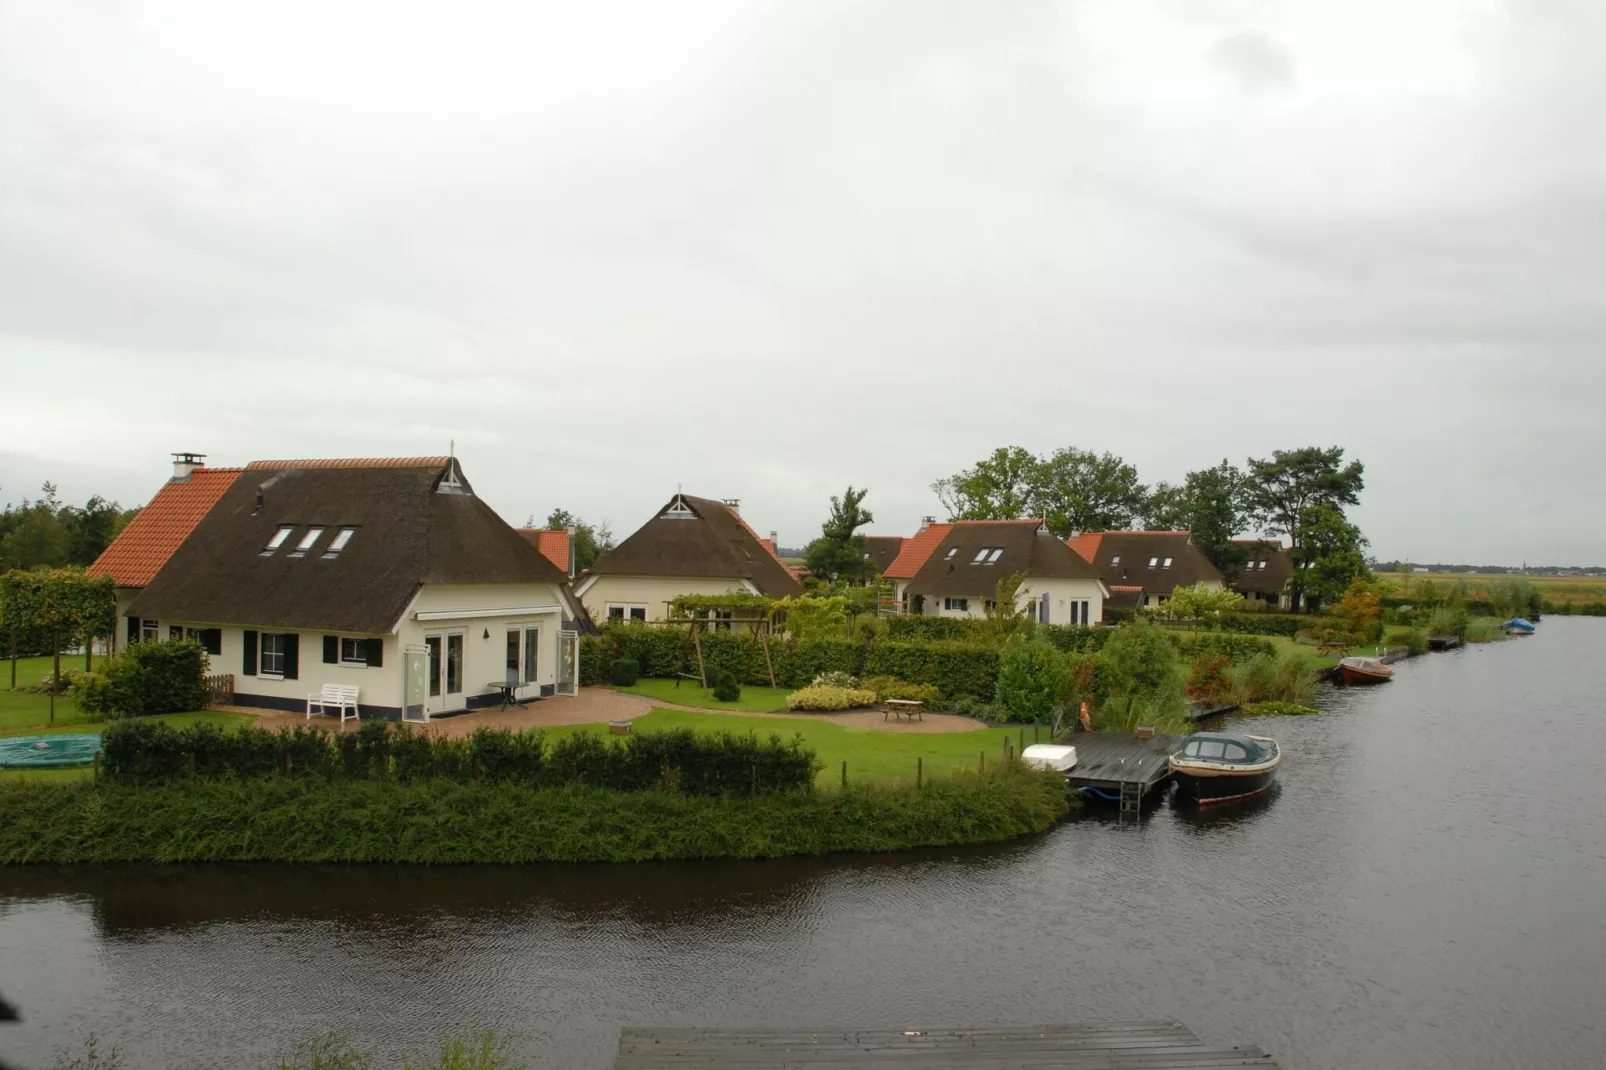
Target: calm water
{"type": "Point", "coordinates": [1427, 888]}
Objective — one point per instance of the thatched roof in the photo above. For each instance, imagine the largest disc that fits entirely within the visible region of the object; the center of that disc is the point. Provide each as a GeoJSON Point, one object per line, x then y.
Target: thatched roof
{"type": "Point", "coordinates": [1157, 561]}
{"type": "Point", "coordinates": [408, 530]}
{"type": "Point", "coordinates": [953, 568]}
{"type": "Point", "coordinates": [700, 537]}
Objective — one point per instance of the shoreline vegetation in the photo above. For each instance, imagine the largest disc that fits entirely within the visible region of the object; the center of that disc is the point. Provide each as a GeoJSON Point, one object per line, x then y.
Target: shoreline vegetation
{"type": "Point", "coordinates": [278, 819]}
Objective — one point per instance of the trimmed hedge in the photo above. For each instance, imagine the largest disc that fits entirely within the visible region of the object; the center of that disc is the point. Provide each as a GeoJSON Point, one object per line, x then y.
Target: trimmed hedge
{"type": "Point", "coordinates": [1076, 638]}
{"type": "Point", "coordinates": [142, 752]}
{"type": "Point", "coordinates": [625, 672]}
{"type": "Point", "coordinates": [1236, 647]}
{"type": "Point", "coordinates": [954, 668]}
{"type": "Point", "coordinates": [165, 677]}
{"type": "Point", "coordinates": [824, 698]}
{"type": "Point", "coordinates": [442, 822]}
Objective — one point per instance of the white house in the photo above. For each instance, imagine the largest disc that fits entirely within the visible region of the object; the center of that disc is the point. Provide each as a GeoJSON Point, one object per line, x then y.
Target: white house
{"type": "Point", "coordinates": [953, 569]}
{"type": "Point", "coordinates": [690, 546]}
{"type": "Point", "coordinates": [389, 574]}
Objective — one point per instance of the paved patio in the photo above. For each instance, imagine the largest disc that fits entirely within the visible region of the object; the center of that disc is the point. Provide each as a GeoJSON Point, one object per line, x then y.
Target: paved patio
{"type": "Point", "coordinates": [595, 705]}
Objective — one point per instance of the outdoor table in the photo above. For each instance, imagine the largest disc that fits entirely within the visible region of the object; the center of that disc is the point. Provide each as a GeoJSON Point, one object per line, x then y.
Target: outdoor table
{"type": "Point", "coordinates": [904, 707]}
{"type": "Point", "coordinates": [509, 693]}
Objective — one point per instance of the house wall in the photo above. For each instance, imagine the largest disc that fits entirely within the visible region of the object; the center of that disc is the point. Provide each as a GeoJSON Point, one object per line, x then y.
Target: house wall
{"type": "Point", "coordinates": [383, 687]}
{"type": "Point", "coordinates": [1060, 595]}
{"type": "Point", "coordinates": [125, 598]}
{"type": "Point", "coordinates": [655, 592]}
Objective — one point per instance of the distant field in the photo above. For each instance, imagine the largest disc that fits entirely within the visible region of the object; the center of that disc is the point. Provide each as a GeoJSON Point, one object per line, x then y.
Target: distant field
{"type": "Point", "coordinates": [1576, 589]}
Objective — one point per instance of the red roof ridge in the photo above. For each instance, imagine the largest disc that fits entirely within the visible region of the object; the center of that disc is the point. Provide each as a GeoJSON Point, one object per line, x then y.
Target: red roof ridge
{"type": "Point", "coordinates": [352, 462]}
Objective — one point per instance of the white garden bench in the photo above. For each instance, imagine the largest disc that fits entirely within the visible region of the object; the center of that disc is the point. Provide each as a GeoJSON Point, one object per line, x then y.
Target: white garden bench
{"type": "Point", "coordinates": [335, 698]}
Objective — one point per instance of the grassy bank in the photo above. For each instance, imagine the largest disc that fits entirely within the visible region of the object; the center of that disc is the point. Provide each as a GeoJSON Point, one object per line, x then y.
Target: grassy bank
{"type": "Point", "coordinates": [280, 820]}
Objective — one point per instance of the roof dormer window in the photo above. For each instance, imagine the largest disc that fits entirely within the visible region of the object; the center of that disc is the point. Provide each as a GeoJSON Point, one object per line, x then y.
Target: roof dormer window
{"type": "Point", "coordinates": [306, 542]}
{"type": "Point", "coordinates": [278, 539]}
{"type": "Point", "coordinates": [338, 543]}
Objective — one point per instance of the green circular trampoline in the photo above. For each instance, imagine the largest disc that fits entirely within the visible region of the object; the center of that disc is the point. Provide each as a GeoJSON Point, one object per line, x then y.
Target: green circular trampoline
{"type": "Point", "coordinates": [43, 752]}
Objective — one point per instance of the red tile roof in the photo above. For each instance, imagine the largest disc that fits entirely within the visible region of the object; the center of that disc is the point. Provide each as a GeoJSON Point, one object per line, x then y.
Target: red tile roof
{"type": "Point", "coordinates": [1087, 544]}
{"type": "Point", "coordinates": [915, 552]}
{"type": "Point", "coordinates": [554, 545]}
{"type": "Point", "coordinates": [355, 462]}
{"type": "Point", "coordinates": [143, 547]}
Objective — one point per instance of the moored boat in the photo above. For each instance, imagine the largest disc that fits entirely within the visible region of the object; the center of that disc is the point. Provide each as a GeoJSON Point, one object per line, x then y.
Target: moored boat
{"type": "Point", "coordinates": [1049, 756]}
{"type": "Point", "coordinates": [1519, 626]}
{"type": "Point", "coordinates": [1218, 767]}
{"type": "Point", "coordinates": [1352, 671]}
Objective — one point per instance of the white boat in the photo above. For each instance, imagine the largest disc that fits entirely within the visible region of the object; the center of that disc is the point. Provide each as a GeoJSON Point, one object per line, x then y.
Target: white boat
{"type": "Point", "coordinates": [1053, 756]}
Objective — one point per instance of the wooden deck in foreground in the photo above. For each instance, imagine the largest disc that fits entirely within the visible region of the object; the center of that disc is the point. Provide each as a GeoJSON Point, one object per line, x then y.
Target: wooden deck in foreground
{"type": "Point", "coordinates": [1157, 1045]}
{"type": "Point", "coordinates": [1107, 760]}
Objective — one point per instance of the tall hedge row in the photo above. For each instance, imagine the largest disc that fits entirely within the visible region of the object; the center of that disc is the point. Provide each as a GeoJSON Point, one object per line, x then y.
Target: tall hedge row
{"type": "Point", "coordinates": [958, 668]}
{"type": "Point", "coordinates": [143, 752]}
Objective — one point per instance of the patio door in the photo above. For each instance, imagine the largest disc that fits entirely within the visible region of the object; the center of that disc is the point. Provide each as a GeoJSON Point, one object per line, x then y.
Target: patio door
{"type": "Point", "coordinates": [414, 700]}
{"type": "Point", "coordinates": [568, 663]}
{"type": "Point", "coordinates": [444, 671]}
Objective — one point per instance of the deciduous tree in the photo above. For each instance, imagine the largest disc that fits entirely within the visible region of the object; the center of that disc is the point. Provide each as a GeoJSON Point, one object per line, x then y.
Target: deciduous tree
{"type": "Point", "coordinates": [1289, 494]}
{"type": "Point", "coordinates": [840, 551]}
{"type": "Point", "coordinates": [1079, 490]}
{"type": "Point", "coordinates": [591, 541]}
{"type": "Point", "coordinates": [1001, 486]}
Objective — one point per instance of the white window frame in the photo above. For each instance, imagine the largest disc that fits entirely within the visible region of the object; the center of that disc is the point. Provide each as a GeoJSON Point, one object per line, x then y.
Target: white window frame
{"type": "Point", "coordinates": [1153, 561]}
{"type": "Point", "coordinates": [1167, 563]}
{"type": "Point", "coordinates": [981, 555]}
{"type": "Point", "coordinates": [956, 605]}
{"type": "Point", "coordinates": [278, 539]}
{"type": "Point", "coordinates": [628, 611]}
{"type": "Point", "coordinates": [1116, 560]}
{"type": "Point", "coordinates": [150, 631]}
{"type": "Point", "coordinates": [992, 558]}
{"type": "Point", "coordinates": [339, 542]}
{"type": "Point", "coordinates": [262, 655]}
{"type": "Point", "coordinates": [307, 540]}
{"type": "Point", "coordinates": [358, 644]}
{"type": "Point", "coordinates": [949, 556]}
{"type": "Point", "coordinates": [530, 671]}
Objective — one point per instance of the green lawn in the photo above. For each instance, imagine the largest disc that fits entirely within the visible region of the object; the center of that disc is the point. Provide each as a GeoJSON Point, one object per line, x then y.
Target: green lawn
{"type": "Point", "coordinates": [753, 700]}
{"type": "Point", "coordinates": [871, 755]}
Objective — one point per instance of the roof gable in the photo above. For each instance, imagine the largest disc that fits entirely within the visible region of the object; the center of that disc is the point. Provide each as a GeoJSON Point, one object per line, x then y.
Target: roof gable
{"type": "Point", "coordinates": [157, 530]}
{"type": "Point", "coordinates": [693, 536]}
{"type": "Point", "coordinates": [973, 555]}
{"type": "Point", "coordinates": [407, 529]}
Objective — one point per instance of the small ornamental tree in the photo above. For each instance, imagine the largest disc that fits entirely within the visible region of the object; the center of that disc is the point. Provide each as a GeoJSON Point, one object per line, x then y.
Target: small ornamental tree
{"type": "Point", "coordinates": [1006, 616]}
{"type": "Point", "coordinates": [1361, 610]}
{"type": "Point", "coordinates": [1031, 679]}
{"type": "Point", "coordinates": [63, 604]}
{"type": "Point", "coordinates": [1144, 672]}
{"type": "Point", "coordinates": [1201, 603]}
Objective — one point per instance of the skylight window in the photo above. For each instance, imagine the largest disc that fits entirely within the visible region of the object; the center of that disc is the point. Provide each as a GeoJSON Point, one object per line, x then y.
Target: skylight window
{"type": "Point", "coordinates": [998, 551]}
{"type": "Point", "coordinates": [1261, 565]}
{"type": "Point", "coordinates": [981, 555]}
{"type": "Point", "coordinates": [338, 543]}
{"type": "Point", "coordinates": [306, 542]}
{"type": "Point", "coordinates": [1116, 560]}
{"type": "Point", "coordinates": [952, 550]}
{"type": "Point", "coordinates": [1167, 563]}
{"type": "Point", "coordinates": [278, 539]}
{"type": "Point", "coordinates": [1153, 561]}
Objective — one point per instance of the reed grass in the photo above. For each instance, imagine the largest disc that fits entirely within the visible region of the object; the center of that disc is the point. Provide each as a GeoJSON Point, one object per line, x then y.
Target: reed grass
{"type": "Point", "coordinates": [442, 822]}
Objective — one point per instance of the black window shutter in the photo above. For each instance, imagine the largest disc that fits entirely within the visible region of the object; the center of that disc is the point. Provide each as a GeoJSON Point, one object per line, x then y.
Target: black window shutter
{"type": "Point", "coordinates": [133, 629]}
{"type": "Point", "coordinates": [212, 640]}
{"type": "Point", "coordinates": [248, 664]}
{"type": "Point", "coordinates": [375, 653]}
{"type": "Point", "coordinates": [292, 655]}
{"type": "Point", "coordinates": [331, 649]}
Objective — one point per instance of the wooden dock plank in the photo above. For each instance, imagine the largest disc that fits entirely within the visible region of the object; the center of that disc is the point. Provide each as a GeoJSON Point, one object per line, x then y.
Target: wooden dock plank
{"type": "Point", "coordinates": [1146, 1045]}
{"type": "Point", "coordinates": [1106, 760]}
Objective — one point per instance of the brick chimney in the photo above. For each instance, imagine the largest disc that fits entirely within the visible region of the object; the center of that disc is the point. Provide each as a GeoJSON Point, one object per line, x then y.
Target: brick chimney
{"type": "Point", "coordinates": [185, 463]}
{"type": "Point", "coordinates": [734, 505]}
{"type": "Point", "coordinates": [926, 522]}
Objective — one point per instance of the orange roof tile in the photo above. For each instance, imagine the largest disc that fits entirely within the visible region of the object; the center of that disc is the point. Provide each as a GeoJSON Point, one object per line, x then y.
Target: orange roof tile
{"type": "Point", "coordinates": [915, 551]}
{"type": "Point", "coordinates": [554, 545]}
{"type": "Point", "coordinates": [355, 462]}
{"type": "Point", "coordinates": [143, 547]}
{"type": "Point", "coordinates": [1087, 545]}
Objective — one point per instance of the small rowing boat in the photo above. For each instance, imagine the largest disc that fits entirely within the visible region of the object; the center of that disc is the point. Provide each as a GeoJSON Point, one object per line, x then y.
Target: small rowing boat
{"type": "Point", "coordinates": [1353, 671]}
{"type": "Point", "coordinates": [1218, 767]}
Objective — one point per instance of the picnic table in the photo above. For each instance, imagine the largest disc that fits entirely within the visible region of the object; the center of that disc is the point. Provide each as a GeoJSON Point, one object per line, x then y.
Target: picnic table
{"type": "Point", "coordinates": [911, 708]}
{"type": "Point", "coordinates": [509, 692]}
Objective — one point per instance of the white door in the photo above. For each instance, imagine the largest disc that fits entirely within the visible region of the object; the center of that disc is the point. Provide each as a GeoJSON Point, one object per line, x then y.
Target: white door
{"type": "Point", "coordinates": [445, 670]}
{"type": "Point", "coordinates": [414, 705]}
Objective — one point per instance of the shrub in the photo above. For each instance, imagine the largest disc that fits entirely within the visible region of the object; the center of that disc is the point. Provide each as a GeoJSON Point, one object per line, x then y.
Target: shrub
{"type": "Point", "coordinates": [625, 672]}
{"type": "Point", "coordinates": [726, 689]}
{"type": "Point", "coordinates": [1068, 637]}
{"type": "Point", "coordinates": [886, 687]}
{"type": "Point", "coordinates": [1268, 677]}
{"type": "Point", "coordinates": [835, 678]}
{"type": "Point", "coordinates": [1483, 631]}
{"type": "Point", "coordinates": [142, 752]}
{"type": "Point", "coordinates": [829, 698]}
{"type": "Point", "coordinates": [149, 678]}
{"type": "Point", "coordinates": [1089, 678]}
{"type": "Point", "coordinates": [1233, 647]}
{"type": "Point", "coordinates": [1448, 620]}
{"type": "Point", "coordinates": [1031, 680]}
{"type": "Point", "coordinates": [1208, 680]}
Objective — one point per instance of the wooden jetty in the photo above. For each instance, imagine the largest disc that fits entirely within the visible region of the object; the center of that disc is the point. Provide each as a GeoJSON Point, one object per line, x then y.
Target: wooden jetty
{"type": "Point", "coordinates": [1443, 642]}
{"type": "Point", "coordinates": [1198, 711]}
{"type": "Point", "coordinates": [1155, 1045]}
{"type": "Point", "coordinates": [1121, 767]}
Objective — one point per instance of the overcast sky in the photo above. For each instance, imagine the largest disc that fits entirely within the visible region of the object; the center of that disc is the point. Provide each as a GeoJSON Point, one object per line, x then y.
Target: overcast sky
{"type": "Point", "coordinates": [767, 250]}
